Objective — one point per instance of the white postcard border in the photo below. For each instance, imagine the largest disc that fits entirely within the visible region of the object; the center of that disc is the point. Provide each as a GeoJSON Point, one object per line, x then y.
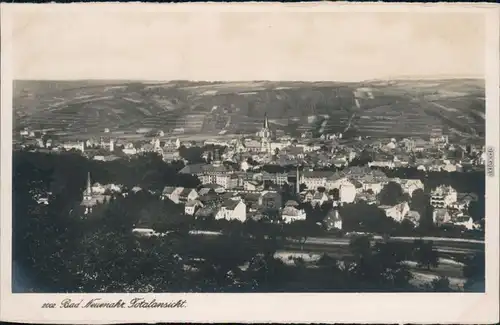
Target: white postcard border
{"type": "Point", "coordinates": [454, 308]}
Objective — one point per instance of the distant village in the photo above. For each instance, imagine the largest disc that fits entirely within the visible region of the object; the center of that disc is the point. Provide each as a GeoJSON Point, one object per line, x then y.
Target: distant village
{"type": "Point", "coordinates": [328, 170]}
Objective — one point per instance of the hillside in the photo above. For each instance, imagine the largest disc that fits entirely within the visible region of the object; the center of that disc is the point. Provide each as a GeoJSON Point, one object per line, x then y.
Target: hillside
{"type": "Point", "coordinates": [378, 108]}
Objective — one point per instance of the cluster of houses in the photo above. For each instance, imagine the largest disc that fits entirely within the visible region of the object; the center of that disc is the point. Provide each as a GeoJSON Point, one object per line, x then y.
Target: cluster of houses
{"type": "Point", "coordinates": [239, 196]}
{"type": "Point", "coordinates": [435, 154]}
{"type": "Point", "coordinates": [350, 185]}
{"type": "Point", "coordinates": [213, 200]}
{"type": "Point", "coordinates": [451, 207]}
{"type": "Point", "coordinates": [241, 193]}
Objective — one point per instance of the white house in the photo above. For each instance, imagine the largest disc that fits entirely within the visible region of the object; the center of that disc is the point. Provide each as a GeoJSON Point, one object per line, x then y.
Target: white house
{"type": "Point", "coordinates": [440, 216]}
{"type": "Point", "coordinates": [334, 182]}
{"type": "Point", "coordinates": [291, 214]}
{"type": "Point", "coordinates": [381, 163]}
{"type": "Point", "coordinates": [252, 186]}
{"type": "Point", "coordinates": [449, 168]}
{"type": "Point", "coordinates": [146, 232]}
{"type": "Point", "coordinates": [422, 168]}
{"type": "Point", "coordinates": [244, 166]}
{"type": "Point", "coordinates": [413, 216]}
{"type": "Point", "coordinates": [443, 196]}
{"type": "Point", "coordinates": [80, 146]}
{"type": "Point", "coordinates": [410, 185]}
{"type": "Point", "coordinates": [314, 179]}
{"type": "Point", "coordinates": [232, 210]}
{"type": "Point", "coordinates": [129, 151]}
{"type": "Point", "coordinates": [97, 188]}
{"type": "Point", "coordinates": [369, 183]}
{"type": "Point", "coordinates": [465, 221]}
{"type": "Point", "coordinates": [188, 194]}
{"type": "Point", "coordinates": [347, 192]}
{"type": "Point", "coordinates": [191, 206]}
{"type": "Point", "coordinates": [172, 193]}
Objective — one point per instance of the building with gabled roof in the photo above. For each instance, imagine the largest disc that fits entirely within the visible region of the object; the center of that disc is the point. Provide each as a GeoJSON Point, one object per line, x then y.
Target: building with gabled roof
{"type": "Point", "coordinates": [188, 194]}
{"type": "Point", "coordinates": [443, 196]}
{"type": "Point", "coordinates": [291, 214]}
{"type": "Point", "coordinates": [232, 210]}
{"type": "Point", "coordinates": [413, 216]}
{"type": "Point", "coordinates": [319, 198]}
{"type": "Point", "coordinates": [464, 221]}
{"type": "Point", "coordinates": [191, 207]}
{"type": "Point", "coordinates": [172, 193]}
{"type": "Point", "coordinates": [291, 203]}
{"type": "Point", "coordinates": [441, 216]}
{"type": "Point", "coordinates": [397, 212]}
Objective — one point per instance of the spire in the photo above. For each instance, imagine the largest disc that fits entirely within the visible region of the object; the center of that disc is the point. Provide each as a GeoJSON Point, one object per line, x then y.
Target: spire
{"type": "Point", "coordinates": [89, 184]}
{"type": "Point", "coordinates": [266, 122]}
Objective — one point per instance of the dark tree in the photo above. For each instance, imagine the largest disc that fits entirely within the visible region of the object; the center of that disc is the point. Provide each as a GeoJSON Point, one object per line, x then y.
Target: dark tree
{"type": "Point", "coordinates": [363, 159]}
{"type": "Point", "coordinates": [301, 230]}
{"type": "Point", "coordinates": [477, 209]}
{"type": "Point", "coordinates": [425, 254]}
{"type": "Point", "coordinates": [360, 246]}
{"type": "Point", "coordinates": [362, 216]}
{"type": "Point", "coordinates": [335, 193]}
{"type": "Point", "coordinates": [192, 154]}
{"type": "Point", "coordinates": [418, 200]}
{"type": "Point", "coordinates": [441, 284]}
{"type": "Point", "coordinates": [474, 272]}
{"type": "Point", "coordinates": [391, 194]}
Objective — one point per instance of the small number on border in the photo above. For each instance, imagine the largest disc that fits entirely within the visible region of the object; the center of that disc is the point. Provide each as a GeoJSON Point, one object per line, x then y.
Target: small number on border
{"type": "Point", "coordinates": [490, 161]}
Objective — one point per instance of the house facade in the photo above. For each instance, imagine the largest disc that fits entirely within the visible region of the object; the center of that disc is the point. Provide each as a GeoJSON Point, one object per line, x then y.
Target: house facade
{"type": "Point", "coordinates": [232, 210]}
{"type": "Point", "coordinates": [443, 197]}
{"type": "Point", "coordinates": [292, 214]}
{"type": "Point", "coordinates": [397, 212]}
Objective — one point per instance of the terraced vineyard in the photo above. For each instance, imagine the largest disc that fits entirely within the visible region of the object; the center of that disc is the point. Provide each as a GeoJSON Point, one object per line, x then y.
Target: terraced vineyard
{"type": "Point", "coordinates": [371, 108]}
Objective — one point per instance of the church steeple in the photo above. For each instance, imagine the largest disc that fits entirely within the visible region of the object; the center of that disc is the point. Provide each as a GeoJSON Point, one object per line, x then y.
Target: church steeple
{"type": "Point", "coordinates": [89, 185]}
{"type": "Point", "coordinates": [265, 137]}
{"type": "Point", "coordinates": [216, 160]}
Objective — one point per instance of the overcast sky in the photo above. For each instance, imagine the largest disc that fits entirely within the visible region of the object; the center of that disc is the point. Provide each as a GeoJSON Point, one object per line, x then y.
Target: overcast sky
{"type": "Point", "coordinates": [211, 45]}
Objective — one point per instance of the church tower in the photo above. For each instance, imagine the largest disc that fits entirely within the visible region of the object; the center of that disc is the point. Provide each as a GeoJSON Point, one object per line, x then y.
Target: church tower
{"type": "Point", "coordinates": [87, 195]}
{"type": "Point", "coordinates": [265, 136]}
{"type": "Point", "coordinates": [216, 162]}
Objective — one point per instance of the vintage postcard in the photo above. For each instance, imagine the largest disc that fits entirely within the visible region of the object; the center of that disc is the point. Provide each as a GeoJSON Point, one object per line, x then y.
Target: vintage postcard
{"type": "Point", "coordinates": [307, 162]}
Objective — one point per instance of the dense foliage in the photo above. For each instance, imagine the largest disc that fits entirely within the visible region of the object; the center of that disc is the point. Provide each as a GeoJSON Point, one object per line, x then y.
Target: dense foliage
{"type": "Point", "coordinates": [58, 250]}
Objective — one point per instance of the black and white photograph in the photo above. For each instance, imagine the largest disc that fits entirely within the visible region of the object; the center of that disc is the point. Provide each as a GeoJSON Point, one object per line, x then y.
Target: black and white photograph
{"type": "Point", "coordinates": [229, 151]}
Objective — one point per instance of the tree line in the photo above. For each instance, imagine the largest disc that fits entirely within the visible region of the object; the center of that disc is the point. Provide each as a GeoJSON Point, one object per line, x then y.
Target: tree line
{"type": "Point", "coordinates": [60, 251]}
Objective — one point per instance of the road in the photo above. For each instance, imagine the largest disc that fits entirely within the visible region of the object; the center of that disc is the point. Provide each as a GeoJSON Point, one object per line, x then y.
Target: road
{"type": "Point", "coordinates": [446, 246]}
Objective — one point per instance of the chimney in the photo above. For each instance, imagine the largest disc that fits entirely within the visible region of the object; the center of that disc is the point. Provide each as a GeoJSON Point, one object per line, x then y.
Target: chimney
{"type": "Point", "coordinates": [297, 183]}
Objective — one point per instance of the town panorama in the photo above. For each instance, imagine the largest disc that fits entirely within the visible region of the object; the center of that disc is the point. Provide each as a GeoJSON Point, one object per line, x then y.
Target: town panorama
{"type": "Point", "coordinates": [249, 186]}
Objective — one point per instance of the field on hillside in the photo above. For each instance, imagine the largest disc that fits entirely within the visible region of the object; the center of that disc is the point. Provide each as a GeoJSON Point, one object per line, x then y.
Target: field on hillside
{"type": "Point", "coordinates": [403, 107]}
